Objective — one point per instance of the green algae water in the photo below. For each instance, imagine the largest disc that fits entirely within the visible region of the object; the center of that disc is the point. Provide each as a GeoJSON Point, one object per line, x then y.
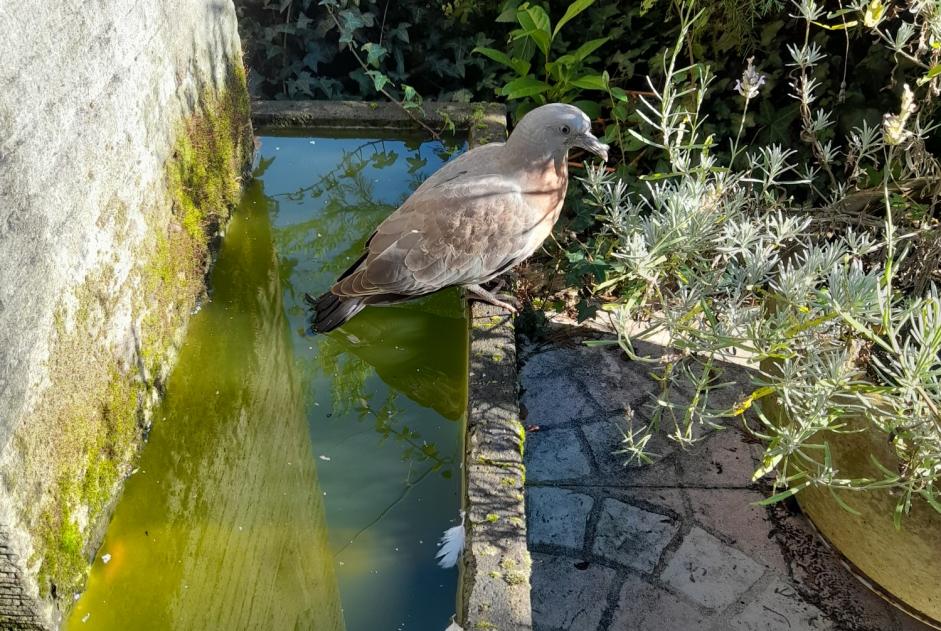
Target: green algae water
{"type": "Point", "coordinates": [293, 481]}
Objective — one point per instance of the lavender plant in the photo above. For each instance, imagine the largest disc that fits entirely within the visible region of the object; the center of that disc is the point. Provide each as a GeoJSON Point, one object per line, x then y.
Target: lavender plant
{"type": "Point", "coordinates": [812, 268]}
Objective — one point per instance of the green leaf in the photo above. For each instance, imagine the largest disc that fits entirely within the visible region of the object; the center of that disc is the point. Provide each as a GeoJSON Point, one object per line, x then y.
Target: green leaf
{"type": "Point", "coordinates": [590, 82]}
{"type": "Point", "coordinates": [768, 464]}
{"type": "Point", "coordinates": [374, 53]}
{"type": "Point", "coordinates": [592, 110]}
{"type": "Point", "coordinates": [523, 87]}
{"type": "Point", "coordinates": [535, 23]}
{"type": "Point", "coordinates": [589, 47]}
{"type": "Point", "coordinates": [574, 9]}
{"type": "Point", "coordinates": [379, 80]}
{"type": "Point", "coordinates": [933, 72]}
{"type": "Point", "coordinates": [519, 66]}
{"type": "Point", "coordinates": [842, 503]}
{"type": "Point", "coordinates": [350, 21]}
{"type": "Point", "coordinates": [533, 18]}
{"type": "Point", "coordinates": [783, 495]}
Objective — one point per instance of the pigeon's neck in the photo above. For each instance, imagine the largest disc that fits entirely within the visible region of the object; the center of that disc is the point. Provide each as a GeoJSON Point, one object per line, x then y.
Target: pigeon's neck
{"type": "Point", "coordinates": [528, 151]}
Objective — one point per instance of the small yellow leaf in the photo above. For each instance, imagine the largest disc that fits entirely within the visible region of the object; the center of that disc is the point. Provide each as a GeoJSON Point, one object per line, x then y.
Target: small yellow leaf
{"type": "Point", "coordinates": [767, 466]}
{"type": "Point", "coordinates": [874, 13]}
{"type": "Point", "coordinates": [747, 401]}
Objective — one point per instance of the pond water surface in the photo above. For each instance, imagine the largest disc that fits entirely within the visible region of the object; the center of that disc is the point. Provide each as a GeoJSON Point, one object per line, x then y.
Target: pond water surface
{"type": "Point", "coordinates": [293, 481]}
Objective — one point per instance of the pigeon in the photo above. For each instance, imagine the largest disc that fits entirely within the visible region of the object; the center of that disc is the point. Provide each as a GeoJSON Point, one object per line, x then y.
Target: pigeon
{"type": "Point", "coordinates": [475, 218]}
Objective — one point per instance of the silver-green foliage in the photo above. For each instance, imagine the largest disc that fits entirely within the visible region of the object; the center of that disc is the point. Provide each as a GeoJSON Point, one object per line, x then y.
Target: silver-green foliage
{"type": "Point", "coordinates": [741, 259]}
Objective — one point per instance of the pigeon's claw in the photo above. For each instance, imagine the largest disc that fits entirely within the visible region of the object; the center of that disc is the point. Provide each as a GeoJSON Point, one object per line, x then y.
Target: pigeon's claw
{"type": "Point", "coordinates": [483, 295]}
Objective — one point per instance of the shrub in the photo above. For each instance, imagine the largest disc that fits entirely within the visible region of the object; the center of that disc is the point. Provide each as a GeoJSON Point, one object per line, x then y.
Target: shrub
{"type": "Point", "coordinates": [812, 263]}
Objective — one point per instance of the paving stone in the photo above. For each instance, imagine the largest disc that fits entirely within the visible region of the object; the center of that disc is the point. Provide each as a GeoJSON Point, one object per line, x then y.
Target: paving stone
{"type": "Point", "coordinates": [645, 607]}
{"type": "Point", "coordinates": [555, 400]}
{"type": "Point", "coordinates": [724, 459]}
{"type": "Point", "coordinates": [733, 513]}
{"type": "Point", "coordinates": [557, 516]}
{"type": "Point", "coordinates": [632, 536]}
{"type": "Point", "coordinates": [565, 597]}
{"type": "Point", "coordinates": [605, 439]}
{"type": "Point", "coordinates": [665, 501]}
{"type": "Point", "coordinates": [555, 454]}
{"type": "Point", "coordinates": [613, 382]}
{"type": "Point", "coordinates": [708, 572]}
{"type": "Point", "coordinates": [544, 363]}
{"type": "Point", "coordinates": [780, 608]}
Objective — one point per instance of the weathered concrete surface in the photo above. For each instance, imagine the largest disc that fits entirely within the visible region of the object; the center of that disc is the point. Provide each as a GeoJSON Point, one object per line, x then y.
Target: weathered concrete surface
{"type": "Point", "coordinates": [678, 544]}
{"type": "Point", "coordinates": [91, 102]}
{"type": "Point", "coordinates": [495, 593]}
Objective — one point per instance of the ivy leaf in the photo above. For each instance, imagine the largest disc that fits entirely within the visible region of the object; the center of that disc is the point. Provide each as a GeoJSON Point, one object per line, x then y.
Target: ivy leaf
{"type": "Point", "coordinates": [379, 80]}
{"type": "Point", "coordinates": [585, 309]}
{"type": "Point", "coordinates": [313, 58]}
{"type": "Point", "coordinates": [303, 21]}
{"type": "Point", "coordinates": [374, 53]}
{"type": "Point", "coordinates": [350, 22]}
{"type": "Point", "coordinates": [302, 84]}
{"type": "Point", "coordinates": [400, 32]}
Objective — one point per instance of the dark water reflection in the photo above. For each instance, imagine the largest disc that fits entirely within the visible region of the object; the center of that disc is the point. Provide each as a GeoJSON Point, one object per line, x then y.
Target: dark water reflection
{"type": "Point", "coordinates": [290, 481]}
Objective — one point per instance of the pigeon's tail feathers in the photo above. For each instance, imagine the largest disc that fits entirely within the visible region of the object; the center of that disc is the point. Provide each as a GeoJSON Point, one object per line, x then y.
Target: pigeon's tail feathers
{"type": "Point", "coordinates": [331, 311]}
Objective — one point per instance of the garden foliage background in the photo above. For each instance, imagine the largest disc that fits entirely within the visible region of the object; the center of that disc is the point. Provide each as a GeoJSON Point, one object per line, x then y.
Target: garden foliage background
{"type": "Point", "coordinates": [772, 191]}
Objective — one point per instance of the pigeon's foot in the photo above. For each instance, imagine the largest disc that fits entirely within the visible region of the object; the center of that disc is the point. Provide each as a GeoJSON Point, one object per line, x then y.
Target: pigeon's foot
{"type": "Point", "coordinates": [483, 295]}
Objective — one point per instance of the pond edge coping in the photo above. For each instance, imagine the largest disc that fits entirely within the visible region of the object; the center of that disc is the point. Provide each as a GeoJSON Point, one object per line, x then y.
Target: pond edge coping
{"type": "Point", "coordinates": [494, 582]}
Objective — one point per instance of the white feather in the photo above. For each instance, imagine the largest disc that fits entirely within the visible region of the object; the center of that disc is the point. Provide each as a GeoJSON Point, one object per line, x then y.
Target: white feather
{"type": "Point", "coordinates": [454, 626]}
{"type": "Point", "coordinates": [451, 545]}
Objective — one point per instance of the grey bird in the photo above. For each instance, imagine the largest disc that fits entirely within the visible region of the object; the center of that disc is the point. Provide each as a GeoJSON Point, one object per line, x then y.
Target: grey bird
{"type": "Point", "coordinates": [472, 220]}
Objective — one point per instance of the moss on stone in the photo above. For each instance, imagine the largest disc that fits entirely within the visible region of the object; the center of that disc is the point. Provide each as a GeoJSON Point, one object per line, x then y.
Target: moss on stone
{"type": "Point", "coordinates": [205, 170]}
{"type": "Point", "coordinates": [77, 444]}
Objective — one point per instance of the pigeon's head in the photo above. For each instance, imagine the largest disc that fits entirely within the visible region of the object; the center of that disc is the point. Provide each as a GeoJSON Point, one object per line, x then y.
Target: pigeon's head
{"type": "Point", "coordinates": [556, 128]}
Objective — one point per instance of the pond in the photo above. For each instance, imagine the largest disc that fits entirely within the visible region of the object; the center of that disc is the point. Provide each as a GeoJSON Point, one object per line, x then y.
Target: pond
{"type": "Point", "coordinates": [293, 481]}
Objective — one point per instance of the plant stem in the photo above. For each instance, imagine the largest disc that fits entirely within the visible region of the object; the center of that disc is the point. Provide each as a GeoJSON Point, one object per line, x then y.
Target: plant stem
{"type": "Point", "coordinates": [383, 91]}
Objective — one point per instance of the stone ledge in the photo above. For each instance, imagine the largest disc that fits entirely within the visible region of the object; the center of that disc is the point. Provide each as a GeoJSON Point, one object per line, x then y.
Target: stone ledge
{"type": "Point", "coordinates": [482, 121]}
{"type": "Point", "coordinates": [495, 577]}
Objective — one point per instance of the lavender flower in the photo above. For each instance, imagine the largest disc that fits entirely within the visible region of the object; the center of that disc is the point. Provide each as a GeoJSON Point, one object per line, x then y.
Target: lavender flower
{"type": "Point", "coordinates": [750, 82]}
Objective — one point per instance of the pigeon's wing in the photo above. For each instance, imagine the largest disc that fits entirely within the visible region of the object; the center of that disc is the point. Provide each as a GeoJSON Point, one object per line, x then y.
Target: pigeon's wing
{"type": "Point", "coordinates": [456, 231]}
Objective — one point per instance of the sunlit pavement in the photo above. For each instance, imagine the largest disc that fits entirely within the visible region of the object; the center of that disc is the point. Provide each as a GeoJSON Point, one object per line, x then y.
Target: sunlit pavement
{"type": "Point", "coordinates": [676, 545]}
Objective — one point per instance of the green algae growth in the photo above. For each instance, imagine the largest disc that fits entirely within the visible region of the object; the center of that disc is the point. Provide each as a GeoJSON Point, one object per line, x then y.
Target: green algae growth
{"type": "Point", "coordinates": [291, 481]}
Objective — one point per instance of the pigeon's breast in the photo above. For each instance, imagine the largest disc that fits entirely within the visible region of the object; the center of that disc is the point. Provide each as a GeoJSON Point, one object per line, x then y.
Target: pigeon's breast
{"type": "Point", "coordinates": [545, 194]}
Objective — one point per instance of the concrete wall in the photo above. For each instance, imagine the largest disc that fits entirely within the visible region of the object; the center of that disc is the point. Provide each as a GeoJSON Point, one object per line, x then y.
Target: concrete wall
{"type": "Point", "coordinates": [94, 97]}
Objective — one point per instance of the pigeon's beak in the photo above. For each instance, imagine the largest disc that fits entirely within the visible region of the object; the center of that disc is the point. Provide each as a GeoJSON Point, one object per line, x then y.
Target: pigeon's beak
{"type": "Point", "coordinates": [588, 142]}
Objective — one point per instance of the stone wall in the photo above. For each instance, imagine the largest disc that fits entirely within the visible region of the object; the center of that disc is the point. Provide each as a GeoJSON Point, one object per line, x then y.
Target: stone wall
{"type": "Point", "coordinates": [123, 130]}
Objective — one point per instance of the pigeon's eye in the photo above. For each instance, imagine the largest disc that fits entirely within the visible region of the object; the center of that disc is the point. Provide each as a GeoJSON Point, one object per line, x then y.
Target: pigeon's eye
{"type": "Point", "coordinates": [565, 130]}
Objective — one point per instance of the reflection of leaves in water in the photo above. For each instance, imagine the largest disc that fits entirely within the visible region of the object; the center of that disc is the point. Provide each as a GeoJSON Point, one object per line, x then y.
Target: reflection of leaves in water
{"type": "Point", "coordinates": [389, 343]}
{"type": "Point", "coordinates": [348, 392]}
{"type": "Point", "coordinates": [415, 164]}
{"type": "Point", "coordinates": [399, 343]}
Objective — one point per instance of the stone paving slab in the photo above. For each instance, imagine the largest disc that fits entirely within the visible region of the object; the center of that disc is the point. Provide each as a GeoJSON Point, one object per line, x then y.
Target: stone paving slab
{"type": "Point", "coordinates": [675, 545]}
